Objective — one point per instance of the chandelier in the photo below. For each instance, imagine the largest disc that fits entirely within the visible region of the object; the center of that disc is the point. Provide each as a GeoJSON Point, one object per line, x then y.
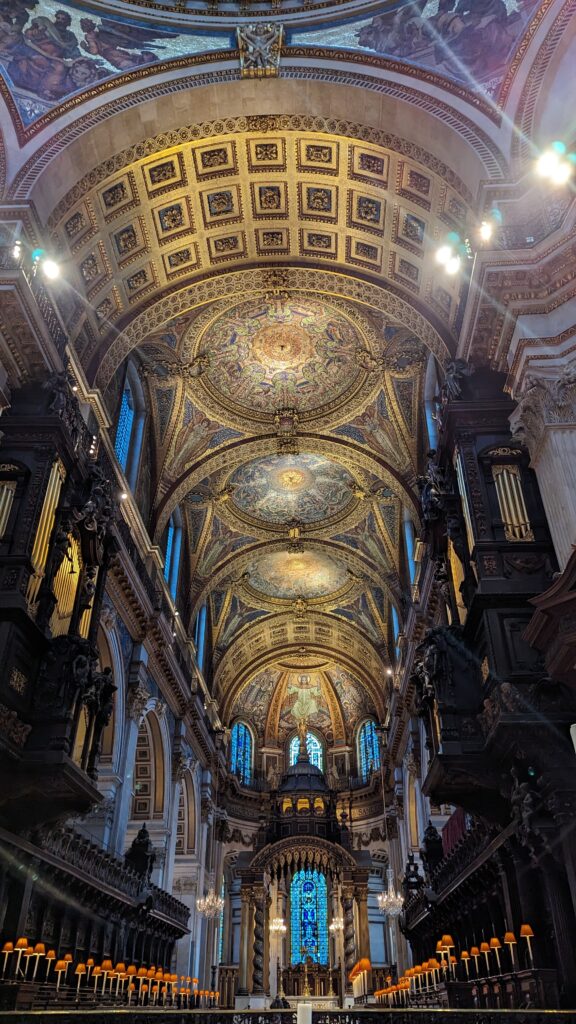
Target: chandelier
{"type": "Point", "coordinates": [210, 905]}
{"type": "Point", "coordinates": [337, 925]}
{"type": "Point", "coordinates": [277, 926]}
{"type": "Point", "coordinates": [390, 902]}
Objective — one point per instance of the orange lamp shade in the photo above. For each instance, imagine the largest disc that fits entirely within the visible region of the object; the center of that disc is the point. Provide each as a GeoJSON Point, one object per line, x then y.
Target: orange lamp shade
{"type": "Point", "coordinates": [447, 940]}
{"type": "Point", "coordinates": [120, 968]}
{"type": "Point", "coordinates": [106, 965]}
{"type": "Point", "coordinates": [80, 969]}
{"type": "Point", "coordinates": [484, 947]}
{"type": "Point", "coordinates": [60, 965]}
{"type": "Point", "coordinates": [474, 951]}
{"type": "Point", "coordinates": [144, 988]}
{"type": "Point", "coordinates": [453, 960]}
{"type": "Point", "coordinates": [132, 970]}
{"type": "Point", "coordinates": [526, 931]}
{"type": "Point", "coordinates": [509, 938]}
{"type": "Point", "coordinates": [39, 949]}
{"type": "Point", "coordinates": [132, 988]}
{"type": "Point", "coordinates": [194, 981]}
{"type": "Point", "coordinates": [90, 962]}
{"type": "Point", "coordinates": [142, 972]}
{"type": "Point", "coordinates": [22, 944]}
{"type": "Point", "coordinates": [495, 943]}
{"type": "Point", "coordinates": [29, 951]}
{"type": "Point", "coordinates": [8, 947]}
{"type": "Point", "coordinates": [68, 958]}
{"type": "Point", "coordinates": [96, 972]}
{"type": "Point", "coordinates": [364, 964]}
{"type": "Point", "coordinates": [159, 976]}
{"type": "Point", "coordinates": [464, 955]}
{"type": "Point", "coordinates": [439, 945]}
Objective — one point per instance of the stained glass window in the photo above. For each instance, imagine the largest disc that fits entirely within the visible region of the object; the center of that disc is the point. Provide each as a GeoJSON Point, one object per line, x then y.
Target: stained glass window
{"type": "Point", "coordinates": [369, 749]}
{"type": "Point", "coordinates": [241, 752]}
{"type": "Point", "coordinates": [221, 927]}
{"type": "Point", "coordinates": [314, 748]}
{"type": "Point", "coordinates": [124, 428]}
{"type": "Point", "coordinates": [309, 917]}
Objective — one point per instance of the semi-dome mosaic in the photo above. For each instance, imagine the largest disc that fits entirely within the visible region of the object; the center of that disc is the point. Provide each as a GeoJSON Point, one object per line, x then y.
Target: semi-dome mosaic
{"type": "Point", "coordinates": [287, 575]}
{"type": "Point", "coordinates": [268, 355]}
{"type": "Point", "coordinates": [281, 488]}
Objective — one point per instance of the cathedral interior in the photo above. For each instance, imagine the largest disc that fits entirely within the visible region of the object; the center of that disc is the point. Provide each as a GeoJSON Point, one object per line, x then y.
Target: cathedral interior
{"type": "Point", "coordinates": [288, 509]}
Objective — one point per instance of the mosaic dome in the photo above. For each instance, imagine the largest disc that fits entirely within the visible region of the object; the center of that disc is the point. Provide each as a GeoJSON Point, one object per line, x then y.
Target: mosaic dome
{"type": "Point", "coordinates": [267, 355]}
{"type": "Point", "coordinates": [290, 574]}
{"type": "Point", "coordinates": [281, 488]}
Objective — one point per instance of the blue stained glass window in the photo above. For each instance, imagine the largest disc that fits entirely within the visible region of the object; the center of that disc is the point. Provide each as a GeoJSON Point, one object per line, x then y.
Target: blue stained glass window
{"type": "Point", "coordinates": [309, 917]}
{"type": "Point", "coordinates": [314, 748]}
{"type": "Point", "coordinates": [241, 752]}
{"type": "Point", "coordinates": [124, 428]}
{"type": "Point", "coordinates": [369, 750]}
{"type": "Point", "coordinates": [169, 549]}
{"type": "Point", "coordinates": [221, 927]}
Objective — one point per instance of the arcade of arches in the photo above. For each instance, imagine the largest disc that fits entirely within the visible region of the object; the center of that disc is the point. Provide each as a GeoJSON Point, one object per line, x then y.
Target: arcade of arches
{"type": "Point", "coordinates": [288, 503]}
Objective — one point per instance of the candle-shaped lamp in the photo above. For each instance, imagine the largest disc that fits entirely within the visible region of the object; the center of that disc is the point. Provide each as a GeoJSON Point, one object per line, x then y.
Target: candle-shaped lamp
{"type": "Point", "coordinates": [7, 949]}
{"type": "Point", "coordinates": [527, 933]}
{"type": "Point", "coordinates": [79, 972]}
{"type": "Point", "coordinates": [496, 945]}
{"type": "Point", "coordinates": [21, 945]}
{"type": "Point", "coordinates": [510, 941]}
{"type": "Point", "coordinates": [60, 968]}
{"type": "Point", "coordinates": [465, 958]}
{"type": "Point", "coordinates": [39, 950]}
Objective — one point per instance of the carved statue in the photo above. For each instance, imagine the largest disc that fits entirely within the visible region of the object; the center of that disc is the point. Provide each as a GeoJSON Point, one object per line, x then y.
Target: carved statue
{"type": "Point", "coordinates": [65, 405]}
{"type": "Point", "coordinates": [432, 851]}
{"type": "Point", "coordinates": [260, 47]}
{"type": "Point", "coordinates": [141, 855]}
{"type": "Point", "coordinates": [413, 880]}
{"type": "Point", "coordinates": [433, 489]}
{"type": "Point", "coordinates": [454, 373]}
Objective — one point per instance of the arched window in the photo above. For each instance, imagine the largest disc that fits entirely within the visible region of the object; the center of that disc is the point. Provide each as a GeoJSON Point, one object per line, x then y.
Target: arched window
{"type": "Point", "coordinates": [241, 752]}
{"type": "Point", "coordinates": [368, 749]}
{"type": "Point", "coordinates": [309, 917]}
{"type": "Point", "coordinates": [313, 746]}
{"type": "Point", "coordinates": [430, 393]}
{"type": "Point", "coordinates": [395, 628]}
{"type": "Point", "coordinates": [130, 426]}
{"type": "Point", "coordinates": [173, 549]}
{"type": "Point", "coordinates": [410, 541]}
{"type": "Point", "coordinates": [200, 637]}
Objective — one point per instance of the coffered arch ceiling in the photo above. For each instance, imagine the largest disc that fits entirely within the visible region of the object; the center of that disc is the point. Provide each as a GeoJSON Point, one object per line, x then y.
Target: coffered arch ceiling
{"type": "Point", "coordinates": [273, 198]}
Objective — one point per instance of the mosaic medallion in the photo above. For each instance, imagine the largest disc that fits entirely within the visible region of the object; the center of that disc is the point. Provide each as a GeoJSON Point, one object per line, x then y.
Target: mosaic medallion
{"type": "Point", "coordinates": [265, 355]}
{"type": "Point", "coordinates": [287, 575]}
{"type": "Point", "coordinates": [281, 488]}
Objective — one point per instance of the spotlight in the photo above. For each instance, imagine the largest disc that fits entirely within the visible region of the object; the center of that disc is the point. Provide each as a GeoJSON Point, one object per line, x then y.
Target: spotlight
{"type": "Point", "coordinates": [123, 496]}
{"type": "Point", "coordinates": [50, 269]}
{"type": "Point", "coordinates": [17, 249]}
{"type": "Point", "coordinates": [389, 672]}
{"type": "Point", "coordinates": [555, 164]}
{"type": "Point", "coordinates": [176, 614]}
{"type": "Point", "coordinates": [444, 254]}
{"type": "Point", "coordinates": [453, 265]}
{"type": "Point", "coordinates": [486, 230]}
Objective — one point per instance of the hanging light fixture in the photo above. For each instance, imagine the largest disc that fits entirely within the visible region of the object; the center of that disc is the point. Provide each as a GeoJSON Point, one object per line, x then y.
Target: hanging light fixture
{"type": "Point", "coordinates": [210, 905]}
{"type": "Point", "coordinates": [277, 926]}
{"type": "Point", "coordinates": [390, 901]}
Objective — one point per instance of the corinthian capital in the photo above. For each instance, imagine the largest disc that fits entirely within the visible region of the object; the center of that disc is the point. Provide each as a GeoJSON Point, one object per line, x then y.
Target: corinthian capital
{"type": "Point", "coordinates": [544, 402]}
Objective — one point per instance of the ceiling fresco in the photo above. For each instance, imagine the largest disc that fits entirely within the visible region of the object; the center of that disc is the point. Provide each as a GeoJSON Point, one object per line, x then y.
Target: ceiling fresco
{"type": "Point", "coordinates": [289, 575]}
{"type": "Point", "coordinates": [334, 701]}
{"type": "Point", "coordinates": [266, 355]}
{"type": "Point", "coordinates": [301, 487]}
{"type": "Point", "coordinates": [52, 53]}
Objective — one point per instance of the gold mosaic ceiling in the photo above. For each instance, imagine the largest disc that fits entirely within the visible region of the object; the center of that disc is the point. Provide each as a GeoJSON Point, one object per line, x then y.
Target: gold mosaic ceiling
{"type": "Point", "coordinates": [276, 293]}
{"type": "Point", "coordinates": [260, 198]}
